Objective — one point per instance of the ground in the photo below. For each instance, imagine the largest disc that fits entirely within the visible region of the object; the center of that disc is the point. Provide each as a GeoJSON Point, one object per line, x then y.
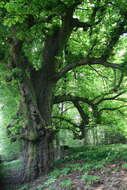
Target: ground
{"type": "Point", "coordinates": [83, 168]}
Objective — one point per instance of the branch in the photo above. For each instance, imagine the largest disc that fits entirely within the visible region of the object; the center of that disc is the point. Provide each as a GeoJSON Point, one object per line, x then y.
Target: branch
{"type": "Point", "coordinates": [83, 115]}
{"type": "Point", "coordinates": [81, 8]}
{"type": "Point", "coordinates": [117, 86]}
{"type": "Point", "coordinates": [98, 72]}
{"type": "Point", "coordinates": [70, 98]}
{"type": "Point", "coordinates": [110, 98]}
{"type": "Point", "coordinates": [102, 95]}
{"type": "Point", "coordinates": [121, 100]}
{"type": "Point", "coordinates": [115, 35]}
{"type": "Point", "coordinates": [65, 110]}
{"type": "Point", "coordinates": [78, 24]}
{"type": "Point", "coordinates": [74, 130]}
{"type": "Point", "coordinates": [86, 61]}
{"type": "Point", "coordinates": [65, 119]}
{"type": "Point", "coordinates": [98, 8]}
{"type": "Point", "coordinates": [118, 31]}
{"type": "Point", "coordinates": [112, 109]}
{"type": "Point", "coordinates": [75, 100]}
{"type": "Point", "coordinates": [68, 121]}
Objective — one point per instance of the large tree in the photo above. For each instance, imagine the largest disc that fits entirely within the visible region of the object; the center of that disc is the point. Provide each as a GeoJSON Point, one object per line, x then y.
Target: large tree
{"type": "Point", "coordinates": [42, 42]}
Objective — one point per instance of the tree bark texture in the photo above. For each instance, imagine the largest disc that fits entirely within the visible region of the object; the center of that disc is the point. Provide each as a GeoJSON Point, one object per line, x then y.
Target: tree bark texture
{"type": "Point", "coordinates": [37, 91]}
{"type": "Point", "coordinates": [38, 150]}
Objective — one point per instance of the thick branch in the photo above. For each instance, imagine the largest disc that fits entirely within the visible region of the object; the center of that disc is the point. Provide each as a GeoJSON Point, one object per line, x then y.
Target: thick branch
{"type": "Point", "coordinates": [70, 98]}
{"type": "Point", "coordinates": [83, 115]}
{"type": "Point", "coordinates": [86, 61]}
{"type": "Point", "coordinates": [115, 35]}
{"type": "Point", "coordinates": [75, 100]}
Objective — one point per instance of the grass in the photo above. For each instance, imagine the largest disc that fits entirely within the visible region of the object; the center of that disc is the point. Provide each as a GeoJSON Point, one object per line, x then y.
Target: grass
{"type": "Point", "coordinates": [82, 164]}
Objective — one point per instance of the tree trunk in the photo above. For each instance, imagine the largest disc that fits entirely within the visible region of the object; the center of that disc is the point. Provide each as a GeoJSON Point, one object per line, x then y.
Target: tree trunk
{"type": "Point", "coordinates": [37, 135]}
{"type": "Point", "coordinates": [37, 89]}
{"type": "Point", "coordinates": [38, 158]}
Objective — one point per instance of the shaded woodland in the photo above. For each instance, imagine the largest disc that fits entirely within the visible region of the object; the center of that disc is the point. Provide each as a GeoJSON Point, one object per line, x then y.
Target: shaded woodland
{"type": "Point", "coordinates": [63, 71]}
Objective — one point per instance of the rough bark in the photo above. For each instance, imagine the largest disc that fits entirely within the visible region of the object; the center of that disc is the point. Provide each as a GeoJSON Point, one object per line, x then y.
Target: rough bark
{"type": "Point", "coordinates": [38, 157]}
{"type": "Point", "coordinates": [36, 134]}
{"type": "Point", "coordinates": [37, 90]}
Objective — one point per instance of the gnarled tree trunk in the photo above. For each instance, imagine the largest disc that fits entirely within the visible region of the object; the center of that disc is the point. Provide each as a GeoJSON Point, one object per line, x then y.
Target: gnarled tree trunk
{"type": "Point", "coordinates": [37, 134]}
{"type": "Point", "coordinates": [37, 89]}
{"type": "Point", "coordinates": [38, 157]}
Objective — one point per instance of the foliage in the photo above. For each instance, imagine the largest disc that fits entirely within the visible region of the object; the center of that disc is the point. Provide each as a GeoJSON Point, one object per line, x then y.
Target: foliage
{"type": "Point", "coordinates": [70, 57]}
{"type": "Point", "coordinates": [62, 172]}
{"type": "Point", "coordinates": [96, 155]}
{"type": "Point", "coordinates": [89, 179]}
{"type": "Point", "coordinates": [124, 165]}
{"type": "Point", "coordinates": [66, 183]}
{"type": "Point", "coordinates": [50, 181]}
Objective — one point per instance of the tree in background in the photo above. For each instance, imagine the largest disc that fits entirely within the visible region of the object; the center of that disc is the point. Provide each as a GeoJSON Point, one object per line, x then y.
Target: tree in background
{"type": "Point", "coordinates": [41, 43]}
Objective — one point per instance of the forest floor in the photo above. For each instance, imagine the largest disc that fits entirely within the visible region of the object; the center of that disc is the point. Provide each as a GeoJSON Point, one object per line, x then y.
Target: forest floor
{"type": "Point", "coordinates": [83, 168]}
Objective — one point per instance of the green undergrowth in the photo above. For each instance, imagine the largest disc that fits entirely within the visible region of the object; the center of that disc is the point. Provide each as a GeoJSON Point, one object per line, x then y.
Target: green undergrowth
{"type": "Point", "coordinates": [98, 153]}
{"type": "Point", "coordinates": [7, 167]}
{"type": "Point", "coordinates": [78, 164]}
